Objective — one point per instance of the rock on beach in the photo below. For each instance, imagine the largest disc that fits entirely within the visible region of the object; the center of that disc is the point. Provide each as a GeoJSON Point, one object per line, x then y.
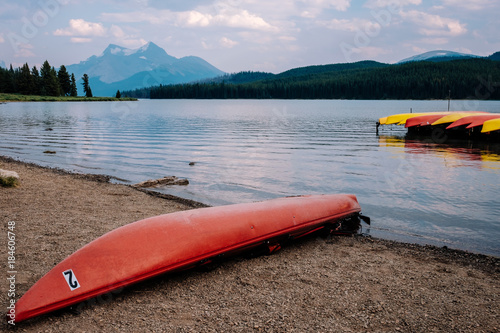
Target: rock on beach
{"type": "Point", "coordinates": [9, 178]}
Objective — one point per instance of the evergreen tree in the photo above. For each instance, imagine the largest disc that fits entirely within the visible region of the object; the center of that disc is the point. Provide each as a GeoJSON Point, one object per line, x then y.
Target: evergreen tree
{"type": "Point", "coordinates": [13, 79]}
{"type": "Point", "coordinates": [118, 94]}
{"type": "Point", "coordinates": [64, 81]}
{"type": "Point", "coordinates": [6, 84]}
{"type": "Point", "coordinates": [50, 83]}
{"type": "Point", "coordinates": [36, 80]}
{"type": "Point", "coordinates": [53, 74]}
{"type": "Point", "coordinates": [73, 89]}
{"type": "Point", "coordinates": [25, 84]}
{"type": "Point", "coordinates": [86, 87]}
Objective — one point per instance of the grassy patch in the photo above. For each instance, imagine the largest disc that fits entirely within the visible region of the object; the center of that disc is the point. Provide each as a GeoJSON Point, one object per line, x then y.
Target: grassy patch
{"type": "Point", "coordinates": [36, 98]}
{"type": "Point", "coordinates": [9, 182]}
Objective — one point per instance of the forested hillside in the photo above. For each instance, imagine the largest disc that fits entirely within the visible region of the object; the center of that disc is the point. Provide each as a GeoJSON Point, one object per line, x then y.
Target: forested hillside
{"type": "Point", "coordinates": [470, 78]}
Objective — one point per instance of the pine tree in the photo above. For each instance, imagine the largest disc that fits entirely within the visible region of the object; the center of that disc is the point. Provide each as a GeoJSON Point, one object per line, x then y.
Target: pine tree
{"type": "Point", "coordinates": [86, 87]}
{"type": "Point", "coordinates": [118, 94]}
{"type": "Point", "coordinates": [36, 81]}
{"type": "Point", "coordinates": [50, 84]}
{"type": "Point", "coordinates": [57, 86]}
{"type": "Point", "coordinates": [64, 81]}
{"type": "Point", "coordinates": [73, 90]}
{"type": "Point", "coordinates": [25, 84]}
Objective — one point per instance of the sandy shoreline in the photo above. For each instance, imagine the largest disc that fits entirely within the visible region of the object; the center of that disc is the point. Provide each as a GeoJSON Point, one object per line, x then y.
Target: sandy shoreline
{"type": "Point", "coordinates": [353, 284]}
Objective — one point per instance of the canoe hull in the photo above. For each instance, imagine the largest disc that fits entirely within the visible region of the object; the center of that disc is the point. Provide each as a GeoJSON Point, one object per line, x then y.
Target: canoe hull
{"type": "Point", "coordinates": [491, 126]}
{"type": "Point", "coordinates": [177, 241]}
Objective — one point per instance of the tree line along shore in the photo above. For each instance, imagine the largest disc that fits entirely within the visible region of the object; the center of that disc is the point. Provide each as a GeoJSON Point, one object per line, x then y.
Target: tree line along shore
{"type": "Point", "coordinates": [46, 84]}
{"type": "Point", "coordinates": [456, 79]}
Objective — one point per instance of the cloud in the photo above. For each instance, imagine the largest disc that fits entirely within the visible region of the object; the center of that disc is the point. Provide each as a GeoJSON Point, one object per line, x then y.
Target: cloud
{"type": "Point", "coordinates": [223, 17]}
{"type": "Point", "coordinates": [194, 19]}
{"type": "Point", "coordinates": [340, 5]}
{"type": "Point", "coordinates": [434, 25]}
{"type": "Point", "coordinates": [24, 50]}
{"type": "Point", "coordinates": [80, 27]}
{"type": "Point", "coordinates": [242, 19]}
{"type": "Point", "coordinates": [469, 4]}
{"type": "Point", "coordinates": [2, 40]}
{"type": "Point", "coordinates": [227, 43]}
{"type": "Point", "coordinates": [351, 25]}
{"type": "Point", "coordinates": [79, 40]}
{"type": "Point", "coordinates": [126, 39]}
{"type": "Point", "coordinates": [387, 3]}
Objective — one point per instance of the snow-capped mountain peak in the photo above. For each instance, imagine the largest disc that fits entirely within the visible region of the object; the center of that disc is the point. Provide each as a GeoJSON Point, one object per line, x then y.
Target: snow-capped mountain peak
{"type": "Point", "coordinates": [116, 66]}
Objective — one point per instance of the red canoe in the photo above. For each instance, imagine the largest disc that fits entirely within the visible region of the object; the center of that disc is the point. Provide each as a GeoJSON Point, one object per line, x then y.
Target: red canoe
{"type": "Point", "coordinates": [473, 121]}
{"type": "Point", "coordinates": [424, 120]}
{"type": "Point", "coordinates": [181, 240]}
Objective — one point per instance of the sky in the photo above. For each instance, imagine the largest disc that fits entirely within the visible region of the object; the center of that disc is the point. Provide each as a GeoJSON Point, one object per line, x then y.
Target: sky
{"type": "Point", "coordinates": [241, 35]}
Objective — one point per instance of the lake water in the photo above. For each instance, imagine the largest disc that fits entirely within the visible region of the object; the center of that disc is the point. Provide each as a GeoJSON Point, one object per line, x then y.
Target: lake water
{"type": "Point", "coordinates": [249, 150]}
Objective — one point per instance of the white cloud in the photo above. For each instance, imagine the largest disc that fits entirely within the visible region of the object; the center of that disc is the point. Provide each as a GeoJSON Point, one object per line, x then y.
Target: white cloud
{"type": "Point", "coordinates": [227, 43]}
{"type": "Point", "coordinates": [288, 38]}
{"type": "Point", "coordinates": [80, 27]}
{"type": "Point", "coordinates": [340, 5]}
{"type": "Point", "coordinates": [79, 40]}
{"type": "Point", "coordinates": [24, 50]}
{"type": "Point", "coordinates": [469, 4]}
{"type": "Point", "coordinates": [117, 32]}
{"type": "Point", "coordinates": [387, 3]}
{"type": "Point", "coordinates": [434, 25]}
{"type": "Point", "coordinates": [242, 19]}
{"type": "Point", "coordinates": [126, 39]}
{"type": "Point", "coordinates": [225, 17]}
{"type": "Point", "coordinates": [194, 19]}
{"type": "Point", "coordinates": [351, 25]}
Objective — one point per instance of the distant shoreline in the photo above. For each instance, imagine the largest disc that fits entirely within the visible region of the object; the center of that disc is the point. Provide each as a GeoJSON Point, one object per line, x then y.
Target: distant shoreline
{"type": "Point", "coordinates": [36, 98]}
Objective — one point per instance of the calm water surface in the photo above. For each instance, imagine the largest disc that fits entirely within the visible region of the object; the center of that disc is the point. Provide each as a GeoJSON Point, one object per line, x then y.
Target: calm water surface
{"type": "Point", "coordinates": [414, 191]}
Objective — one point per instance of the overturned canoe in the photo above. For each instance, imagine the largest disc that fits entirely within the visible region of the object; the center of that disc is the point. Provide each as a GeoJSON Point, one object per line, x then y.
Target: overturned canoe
{"type": "Point", "coordinates": [454, 116]}
{"type": "Point", "coordinates": [479, 120]}
{"type": "Point", "coordinates": [425, 120]}
{"type": "Point", "coordinates": [180, 240]}
{"type": "Point", "coordinates": [491, 125]}
{"type": "Point", "coordinates": [401, 118]}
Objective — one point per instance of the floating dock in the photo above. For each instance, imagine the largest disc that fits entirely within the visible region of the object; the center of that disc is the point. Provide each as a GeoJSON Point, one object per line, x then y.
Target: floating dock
{"type": "Point", "coordinates": [477, 125]}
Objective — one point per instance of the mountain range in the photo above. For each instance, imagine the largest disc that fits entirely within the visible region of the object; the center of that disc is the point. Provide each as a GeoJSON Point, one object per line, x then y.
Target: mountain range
{"type": "Point", "coordinates": [119, 68]}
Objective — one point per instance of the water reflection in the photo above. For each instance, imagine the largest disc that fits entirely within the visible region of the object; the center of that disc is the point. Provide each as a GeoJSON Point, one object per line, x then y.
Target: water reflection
{"type": "Point", "coordinates": [487, 154]}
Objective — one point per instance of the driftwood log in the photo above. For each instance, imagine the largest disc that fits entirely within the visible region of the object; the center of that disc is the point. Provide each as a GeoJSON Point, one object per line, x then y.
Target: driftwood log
{"type": "Point", "coordinates": [169, 180]}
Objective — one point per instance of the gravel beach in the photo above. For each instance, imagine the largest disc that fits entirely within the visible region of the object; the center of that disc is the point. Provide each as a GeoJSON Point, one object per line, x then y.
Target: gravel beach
{"type": "Point", "coordinates": [342, 284]}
